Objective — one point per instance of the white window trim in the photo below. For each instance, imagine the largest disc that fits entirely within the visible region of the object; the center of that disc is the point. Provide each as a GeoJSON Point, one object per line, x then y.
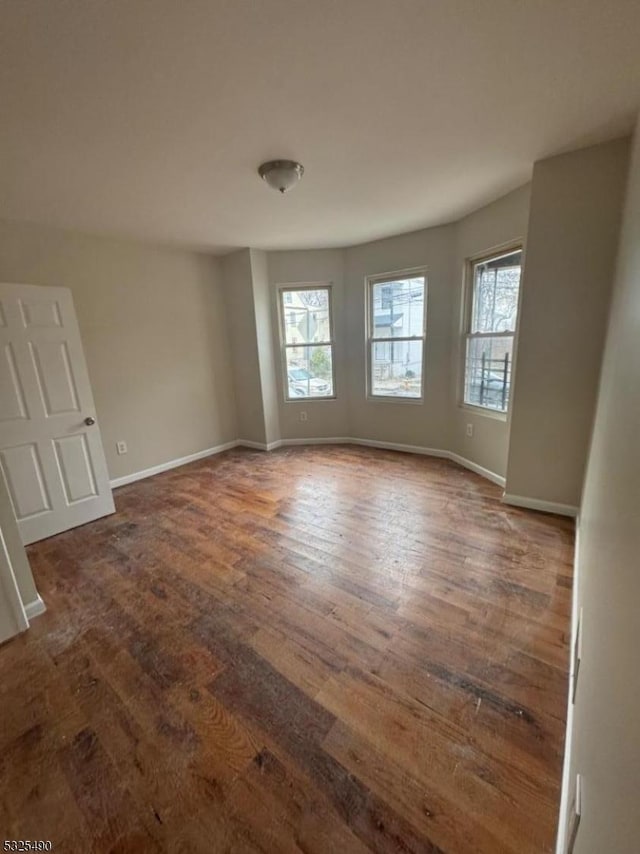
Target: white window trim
{"type": "Point", "coordinates": [282, 309]}
{"type": "Point", "coordinates": [381, 279]}
{"type": "Point", "coordinates": [466, 316]}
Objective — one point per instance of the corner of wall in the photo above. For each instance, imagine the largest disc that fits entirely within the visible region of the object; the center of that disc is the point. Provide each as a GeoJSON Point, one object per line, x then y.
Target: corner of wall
{"type": "Point", "coordinates": [267, 357]}
{"type": "Point", "coordinates": [572, 239]}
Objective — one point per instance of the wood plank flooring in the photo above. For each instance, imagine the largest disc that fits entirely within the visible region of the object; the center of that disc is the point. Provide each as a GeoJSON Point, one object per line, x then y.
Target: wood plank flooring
{"type": "Point", "coordinates": [317, 649]}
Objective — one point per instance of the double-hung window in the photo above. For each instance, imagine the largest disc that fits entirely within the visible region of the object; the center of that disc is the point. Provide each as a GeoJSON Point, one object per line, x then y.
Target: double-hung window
{"type": "Point", "coordinates": [396, 334]}
{"type": "Point", "coordinates": [306, 331]}
{"type": "Point", "coordinates": [492, 314]}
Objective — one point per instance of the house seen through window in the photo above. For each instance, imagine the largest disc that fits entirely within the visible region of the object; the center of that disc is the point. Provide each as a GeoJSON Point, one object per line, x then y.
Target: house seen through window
{"type": "Point", "coordinates": [492, 316]}
{"type": "Point", "coordinates": [307, 342]}
{"type": "Point", "coordinates": [396, 336]}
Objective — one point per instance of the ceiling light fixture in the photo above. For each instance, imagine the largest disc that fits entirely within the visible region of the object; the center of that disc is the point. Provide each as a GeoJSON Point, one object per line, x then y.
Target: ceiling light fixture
{"type": "Point", "coordinates": [281, 174]}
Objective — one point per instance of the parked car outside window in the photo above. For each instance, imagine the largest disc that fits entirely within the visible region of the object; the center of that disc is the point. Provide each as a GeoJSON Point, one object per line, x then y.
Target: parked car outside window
{"type": "Point", "coordinates": [302, 383]}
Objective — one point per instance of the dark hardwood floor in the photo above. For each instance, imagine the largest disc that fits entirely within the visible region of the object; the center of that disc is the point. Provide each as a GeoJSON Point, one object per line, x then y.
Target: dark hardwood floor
{"type": "Point", "coordinates": [328, 649]}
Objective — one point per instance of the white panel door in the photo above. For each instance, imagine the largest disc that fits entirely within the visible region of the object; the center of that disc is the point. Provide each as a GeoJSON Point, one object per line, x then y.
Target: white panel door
{"type": "Point", "coordinates": [50, 446]}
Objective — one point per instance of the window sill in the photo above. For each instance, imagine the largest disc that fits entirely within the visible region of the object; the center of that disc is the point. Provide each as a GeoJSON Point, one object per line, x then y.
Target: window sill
{"type": "Point", "coordinates": [481, 410]}
{"type": "Point", "coordinates": [311, 399]}
{"type": "Point", "coordinates": [378, 398]}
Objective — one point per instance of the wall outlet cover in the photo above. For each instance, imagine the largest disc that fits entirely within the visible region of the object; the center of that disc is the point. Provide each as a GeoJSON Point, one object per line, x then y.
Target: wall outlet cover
{"type": "Point", "coordinates": [575, 814]}
{"type": "Point", "coordinates": [577, 656]}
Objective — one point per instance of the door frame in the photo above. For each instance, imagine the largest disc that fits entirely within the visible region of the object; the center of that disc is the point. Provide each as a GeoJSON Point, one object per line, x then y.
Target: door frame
{"type": "Point", "coordinates": [10, 592]}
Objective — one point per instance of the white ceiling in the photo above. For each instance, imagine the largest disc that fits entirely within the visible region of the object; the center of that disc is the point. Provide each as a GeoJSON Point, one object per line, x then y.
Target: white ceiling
{"type": "Point", "coordinates": [149, 117]}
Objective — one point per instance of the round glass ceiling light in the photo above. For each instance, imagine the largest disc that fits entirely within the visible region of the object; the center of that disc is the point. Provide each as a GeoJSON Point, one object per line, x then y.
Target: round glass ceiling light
{"type": "Point", "coordinates": [282, 175]}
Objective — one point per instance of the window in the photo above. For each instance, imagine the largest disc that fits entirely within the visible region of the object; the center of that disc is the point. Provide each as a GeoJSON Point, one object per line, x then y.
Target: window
{"type": "Point", "coordinates": [396, 335]}
{"type": "Point", "coordinates": [492, 311]}
{"type": "Point", "coordinates": [307, 342]}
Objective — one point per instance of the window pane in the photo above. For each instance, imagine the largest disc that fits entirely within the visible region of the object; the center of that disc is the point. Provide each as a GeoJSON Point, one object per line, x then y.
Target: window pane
{"type": "Point", "coordinates": [397, 308]}
{"type": "Point", "coordinates": [488, 372]}
{"type": "Point", "coordinates": [496, 283]}
{"type": "Point", "coordinates": [399, 373]}
{"type": "Point", "coordinates": [382, 351]}
{"type": "Point", "coordinates": [309, 372]}
{"type": "Point", "coordinates": [306, 316]}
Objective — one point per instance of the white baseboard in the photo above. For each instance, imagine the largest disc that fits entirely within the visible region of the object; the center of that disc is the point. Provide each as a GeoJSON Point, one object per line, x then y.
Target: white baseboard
{"type": "Point", "coordinates": [263, 446]}
{"type": "Point", "coordinates": [255, 446]}
{"type": "Point", "coordinates": [35, 608]}
{"type": "Point", "coordinates": [172, 464]}
{"type": "Point", "coordinates": [370, 443]}
{"type": "Point", "coordinates": [405, 449]}
{"type": "Point", "coordinates": [538, 504]}
{"type": "Point", "coordinates": [321, 440]}
{"type": "Point", "coordinates": [395, 446]}
{"type": "Point", "coordinates": [474, 467]}
{"type": "Point", "coordinates": [191, 458]}
{"type": "Point", "coordinates": [515, 500]}
{"type": "Point", "coordinates": [565, 791]}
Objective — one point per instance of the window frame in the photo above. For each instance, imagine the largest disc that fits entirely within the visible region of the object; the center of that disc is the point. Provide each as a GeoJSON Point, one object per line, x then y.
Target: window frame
{"type": "Point", "coordinates": [467, 318]}
{"type": "Point", "coordinates": [284, 346]}
{"type": "Point", "coordinates": [381, 279]}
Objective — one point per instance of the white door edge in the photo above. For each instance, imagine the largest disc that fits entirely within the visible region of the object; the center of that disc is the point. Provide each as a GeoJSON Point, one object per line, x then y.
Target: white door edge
{"type": "Point", "coordinates": [13, 618]}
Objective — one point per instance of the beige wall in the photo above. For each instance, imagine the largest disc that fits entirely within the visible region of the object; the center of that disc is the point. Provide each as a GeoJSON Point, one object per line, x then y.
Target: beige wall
{"type": "Point", "coordinates": [576, 203]}
{"type": "Point", "coordinates": [606, 726]}
{"type": "Point", "coordinates": [249, 317]}
{"type": "Point", "coordinates": [183, 350]}
{"type": "Point", "coordinates": [153, 330]}
{"type": "Point", "coordinates": [241, 323]}
{"type": "Point", "coordinates": [425, 424]}
{"type": "Point", "coordinates": [438, 422]}
{"type": "Point", "coordinates": [268, 355]}
{"type": "Point", "coordinates": [493, 226]}
{"type": "Point", "coordinates": [351, 414]}
{"type": "Point", "coordinates": [326, 418]}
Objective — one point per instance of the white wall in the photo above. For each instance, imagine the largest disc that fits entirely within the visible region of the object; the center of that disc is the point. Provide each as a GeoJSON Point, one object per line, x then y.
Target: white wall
{"type": "Point", "coordinates": [154, 334]}
{"type": "Point", "coordinates": [606, 721]}
{"type": "Point", "coordinates": [574, 220]}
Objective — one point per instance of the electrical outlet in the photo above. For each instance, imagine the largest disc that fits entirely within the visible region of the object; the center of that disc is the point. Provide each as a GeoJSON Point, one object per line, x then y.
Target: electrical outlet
{"type": "Point", "coordinates": [121, 447]}
{"type": "Point", "coordinates": [577, 656]}
{"type": "Point", "coordinates": [469, 430]}
{"type": "Point", "coordinates": [575, 815]}
{"type": "Point", "coordinates": [303, 416]}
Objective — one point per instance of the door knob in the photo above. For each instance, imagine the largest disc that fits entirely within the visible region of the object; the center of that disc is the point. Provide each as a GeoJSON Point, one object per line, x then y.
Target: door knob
{"type": "Point", "coordinates": [89, 420]}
